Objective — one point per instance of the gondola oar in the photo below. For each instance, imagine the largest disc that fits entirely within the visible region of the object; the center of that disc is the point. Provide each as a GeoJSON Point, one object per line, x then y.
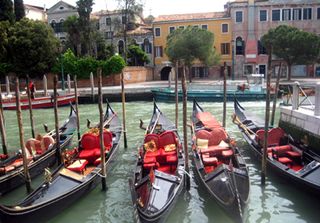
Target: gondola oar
{"type": "Point", "coordinates": [77, 109]}
{"type": "Point", "coordinates": [102, 149]}
{"type": "Point", "coordinates": [56, 118]}
{"type": "Point", "coordinates": [2, 128]}
{"type": "Point", "coordinates": [21, 136]}
{"type": "Point", "coordinates": [30, 108]}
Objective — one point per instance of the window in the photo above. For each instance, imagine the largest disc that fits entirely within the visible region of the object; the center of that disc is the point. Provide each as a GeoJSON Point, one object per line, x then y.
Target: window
{"type": "Point", "coordinates": [159, 51]}
{"type": "Point", "coordinates": [109, 35]}
{"type": "Point", "coordinates": [121, 47]}
{"type": "Point", "coordinates": [248, 69]}
{"type": "Point", "coordinates": [195, 26]}
{"type": "Point", "coordinates": [286, 14]}
{"type": "Point", "coordinates": [239, 46]}
{"type": "Point", "coordinates": [147, 46]}
{"type": "Point", "coordinates": [239, 16]}
{"type": "Point", "coordinates": [318, 13]}
{"type": "Point", "coordinates": [199, 72]}
{"type": "Point", "coordinates": [225, 28]}
{"type": "Point", "coordinates": [261, 48]}
{"type": "Point", "coordinates": [157, 32]}
{"type": "Point", "coordinates": [263, 15]}
{"type": "Point", "coordinates": [171, 29]}
{"type": "Point", "coordinates": [297, 13]}
{"type": "Point", "coordinates": [181, 27]}
{"type": "Point", "coordinates": [123, 19]}
{"type": "Point", "coordinates": [307, 14]}
{"type": "Point", "coordinates": [206, 26]}
{"type": "Point", "coordinates": [61, 8]}
{"type": "Point", "coordinates": [108, 21]}
{"type": "Point", "coordinates": [276, 15]}
{"type": "Point", "coordinates": [225, 48]}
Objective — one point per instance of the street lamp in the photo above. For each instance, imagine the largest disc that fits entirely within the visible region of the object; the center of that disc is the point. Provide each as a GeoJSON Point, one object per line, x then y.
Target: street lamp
{"type": "Point", "coordinates": [233, 62]}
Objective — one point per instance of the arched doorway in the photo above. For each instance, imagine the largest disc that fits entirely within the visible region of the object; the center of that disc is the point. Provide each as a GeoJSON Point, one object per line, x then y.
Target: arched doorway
{"type": "Point", "coordinates": [165, 73]}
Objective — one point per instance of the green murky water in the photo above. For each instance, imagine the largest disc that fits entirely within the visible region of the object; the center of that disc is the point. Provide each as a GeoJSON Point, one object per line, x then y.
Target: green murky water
{"type": "Point", "coordinates": [279, 201]}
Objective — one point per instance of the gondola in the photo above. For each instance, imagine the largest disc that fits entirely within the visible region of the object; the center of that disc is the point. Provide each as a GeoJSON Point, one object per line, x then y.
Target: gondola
{"type": "Point", "coordinates": [285, 156]}
{"type": "Point", "coordinates": [218, 163]}
{"type": "Point", "coordinates": [41, 153]}
{"type": "Point", "coordinates": [159, 173]}
{"type": "Point", "coordinates": [79, 174]}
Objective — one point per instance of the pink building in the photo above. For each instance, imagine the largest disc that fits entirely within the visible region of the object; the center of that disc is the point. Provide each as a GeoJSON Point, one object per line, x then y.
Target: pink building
{"type": "Point", "coordinates": [251, 19]}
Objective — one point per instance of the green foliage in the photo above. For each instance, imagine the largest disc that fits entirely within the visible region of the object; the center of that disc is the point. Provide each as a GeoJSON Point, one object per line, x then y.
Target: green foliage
{"type": "Point", "coordinates": [190, 44]}
{"type": "Point", "coordinates": [114, 65]}
{"type": "Point", "coordinates": [32, 47]}
{"type": "Point", "coordinates": [292, 45]}
{"type": "Point", "coordinates": [6, 11]}
{"type": "Point", "coordinates": [85, 66]}
{"type": "Point", "coordinates": [4, 26]}
{"type": "Point", "coordinates": [19, 10]}
{"type": "Point", "coordinates": [72, 26]}
{"type": "Point", "coordinates": [136, 56]}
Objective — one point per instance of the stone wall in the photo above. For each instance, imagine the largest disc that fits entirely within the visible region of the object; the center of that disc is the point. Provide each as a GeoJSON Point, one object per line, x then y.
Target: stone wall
{"type": "Point", "coordinates": [301, 124]}
{"type": "Point", "coordinates": [131, 75]}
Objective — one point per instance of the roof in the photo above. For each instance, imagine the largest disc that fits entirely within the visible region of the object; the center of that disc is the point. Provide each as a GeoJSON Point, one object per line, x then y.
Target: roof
{"type": "Point", "coordinates": [34, 7]}
{"type": "Point", "coordinates": [190, 16]}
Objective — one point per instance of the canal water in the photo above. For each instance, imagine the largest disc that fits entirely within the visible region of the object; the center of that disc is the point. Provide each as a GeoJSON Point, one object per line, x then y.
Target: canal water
{"type": "Point", "coordinates": [278, 201]}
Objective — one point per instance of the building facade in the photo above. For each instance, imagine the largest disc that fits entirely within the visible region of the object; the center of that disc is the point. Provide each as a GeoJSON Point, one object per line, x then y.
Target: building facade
{"type": "Point", "coordinates": [216, 22]}
{"type": "Point", "coordinates": [251, 19]}
{"type": "Point", "coordinates": [35, 12]}
{"type": "Point", "coordinates": [57, 14]}
{"type": "Point", "coordinates": [111, 25]}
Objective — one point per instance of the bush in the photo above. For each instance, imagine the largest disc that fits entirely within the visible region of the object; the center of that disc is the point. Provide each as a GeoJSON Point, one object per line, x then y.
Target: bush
{"type": "Point", "coordinates": [114, 65]}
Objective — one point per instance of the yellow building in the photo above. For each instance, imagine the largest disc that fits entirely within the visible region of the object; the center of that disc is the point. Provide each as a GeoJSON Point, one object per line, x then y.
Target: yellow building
{"type": "Point", "coordinates": [216, 22]}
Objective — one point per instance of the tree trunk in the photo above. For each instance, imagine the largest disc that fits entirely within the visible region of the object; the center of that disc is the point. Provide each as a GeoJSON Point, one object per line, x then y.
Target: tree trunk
{"type": "Point", "coordinates": [289, 72]}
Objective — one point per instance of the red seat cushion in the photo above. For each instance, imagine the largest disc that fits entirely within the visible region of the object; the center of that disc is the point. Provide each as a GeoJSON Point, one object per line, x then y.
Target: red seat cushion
{"type": "Point", "coordinates": [78, 165]}
{"type": "Point", "coordinates": [153, 137]}
{"type": "Point", "coordinates": [274, 136]}
{"type": "Point", "coordinates": [211, 161]}
{"type": "Point", "coordinates": [285, 160]}
{"type": "Point", "coordinates": [293, 154]}
{"type": "Point", "coordinates": [215, 136]}
{"type": "Point", "coordinates": [90, 141]}
{"type": "Point", "coordinates": [227, 153]}
{"type": "Point", "coordinates": [90, 154]}
{"type": "Point", "coordinates": [149, 159]}
{"type": "Point", "coordinates": [167, 138]}
{"type": "Point", "coordinates": [148, 166]}
{"type": "Point", "coordinates": [172, 159]}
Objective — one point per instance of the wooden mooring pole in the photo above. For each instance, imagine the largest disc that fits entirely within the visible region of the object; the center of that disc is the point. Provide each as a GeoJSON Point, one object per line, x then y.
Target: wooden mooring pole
{"type": "Point", "coordinates": [224, 94]}
{"type": "Point", "coordinates": [274, 105]}
{"type": "Point", "coordinates": [21, 136]}
{"type": "Point", "coordinates": [45, 85]}
{"type": "Point", "coordinates": [176, 93]}
{"type": "Point", "coordinates": [56, 118]}
{"type": "Point", "coordinates": [185, 136]}
{"type": "Point", "coordinates": [30, 108]}
{"type": "Point", "coordinates": [102, 151]}
{"type": "Point", "coordinates": [92, 86]}
{"type": "Point", "coordinates": [266, 124]}
{"type": "Point", "coordinates": [123, 96]}
{"type": "Point", "coordinates": [2, 128]}
{"type": "Point", "coordinates": [77, 103]}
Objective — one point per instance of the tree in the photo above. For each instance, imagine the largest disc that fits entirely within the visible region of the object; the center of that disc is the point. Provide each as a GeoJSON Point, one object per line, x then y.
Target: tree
{"type": "Point", "coordinates": [6, 11]}
{"type": "Point", "coordinates": [114, 65]}
{"type": "Point", "coordinates": [136, 56]}
{"type": "Point", "coordinates": [128, 9]}
{"type": "Point", "coordinates": [188, 45]}
{"type": "Point", "coordinates": [32, 47]}
{"type": "Point", "coordinates": [19, 9]}
{"type": "Point", "coordinates": [292, 45]}
{"type": "Point", "coordinates": [4, 65]}
{"type": "Point", "coordinates": [72, 27]}
{"type": "Point", "coordinates": [84, 11]}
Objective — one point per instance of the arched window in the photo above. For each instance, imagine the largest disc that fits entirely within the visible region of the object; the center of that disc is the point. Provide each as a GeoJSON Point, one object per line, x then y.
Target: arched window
{"type": "Point", "coordinates": [147, 47]}
{"type": "Point", "coordinates": [240, 48]}
{"type": "Point", "coordinates": [53, 23]}
{"type": "Point", "coordinates": [121, 47]}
